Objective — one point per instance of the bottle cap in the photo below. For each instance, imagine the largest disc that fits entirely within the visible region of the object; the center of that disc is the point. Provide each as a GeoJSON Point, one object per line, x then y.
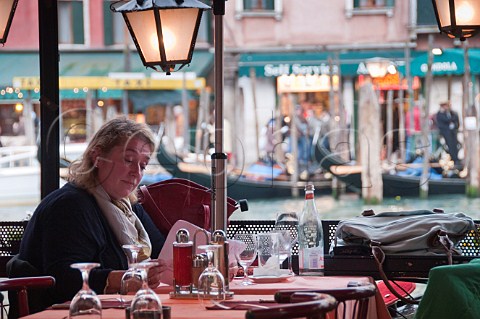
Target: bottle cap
{"type": "Point", "coordinates": [309, 187]}
{"type": "Point", "coordinates": [182, 236]}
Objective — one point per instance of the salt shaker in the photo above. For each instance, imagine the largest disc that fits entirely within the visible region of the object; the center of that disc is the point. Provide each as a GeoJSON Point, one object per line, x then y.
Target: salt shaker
{"type": "Point", "coordinates": [199, 264]}
{"type": "Point", "coordinates": [221, 257]}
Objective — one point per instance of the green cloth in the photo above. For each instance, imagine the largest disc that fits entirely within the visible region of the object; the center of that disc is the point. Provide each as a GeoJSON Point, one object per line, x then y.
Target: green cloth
{"type": "Point", "coordinates": [452, 292]}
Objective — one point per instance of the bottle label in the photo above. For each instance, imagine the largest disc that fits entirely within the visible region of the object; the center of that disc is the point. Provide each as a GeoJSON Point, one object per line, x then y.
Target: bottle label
{"type": "Point", "coordinates": [310, 236]}
{"type": "Point", "coordinates": [311, 259]}
{"type": "Point", "coordinates": [309, 196]}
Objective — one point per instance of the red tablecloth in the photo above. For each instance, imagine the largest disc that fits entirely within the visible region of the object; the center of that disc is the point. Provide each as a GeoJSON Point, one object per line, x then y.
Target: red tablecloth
{"type": "Point", "coordinates": [192, 308]}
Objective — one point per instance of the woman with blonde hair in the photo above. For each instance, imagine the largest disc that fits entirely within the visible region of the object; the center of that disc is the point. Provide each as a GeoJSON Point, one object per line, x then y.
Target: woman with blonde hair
{"type": "Point", "coordinates": [94, 214]}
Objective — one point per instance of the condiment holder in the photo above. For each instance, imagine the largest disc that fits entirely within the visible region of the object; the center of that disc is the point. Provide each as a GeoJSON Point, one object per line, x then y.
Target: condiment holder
{"type": "Point", "coordinates": [188, 265]}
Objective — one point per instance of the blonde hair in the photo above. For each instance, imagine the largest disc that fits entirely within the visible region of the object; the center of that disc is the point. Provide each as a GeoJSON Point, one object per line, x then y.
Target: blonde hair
{"type": "Point", "coordinates": [118, 131]}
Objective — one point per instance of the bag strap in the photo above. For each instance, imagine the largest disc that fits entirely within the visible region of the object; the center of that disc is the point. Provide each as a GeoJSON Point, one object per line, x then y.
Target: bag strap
{"type": "Point", "coordinates": [447, 244]}
{"type": "Point", "coordinates": [379, 257]}
{"type": "Point", "coordinates": [148, 198]}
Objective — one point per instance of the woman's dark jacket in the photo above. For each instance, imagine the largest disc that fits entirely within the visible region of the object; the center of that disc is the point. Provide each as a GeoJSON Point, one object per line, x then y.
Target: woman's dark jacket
{"type": "Point", "coordinates": [68, 227]}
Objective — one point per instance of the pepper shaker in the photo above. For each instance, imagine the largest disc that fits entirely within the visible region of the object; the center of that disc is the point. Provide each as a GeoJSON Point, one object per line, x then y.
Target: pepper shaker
{"type": "Point", "coordinates": [221, 255]}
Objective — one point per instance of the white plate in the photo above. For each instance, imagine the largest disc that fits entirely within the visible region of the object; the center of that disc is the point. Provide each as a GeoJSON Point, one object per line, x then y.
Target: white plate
{"type": "Point", "coordinates": [269, 279]}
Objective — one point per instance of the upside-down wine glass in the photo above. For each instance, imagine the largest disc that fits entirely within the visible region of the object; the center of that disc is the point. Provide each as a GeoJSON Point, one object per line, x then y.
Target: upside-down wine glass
{"type": "Point", "coordinates": [132, 278]}
{"type": "Point", "coordinates": [85, 304]}
{"type": "Point", "coordinates": [246, 257]}
{"type": "Point", "coordinates": [211, 283]}
{"type": "Point", "coordinates": [145, 304]}
{"type": "Point", "coordinates": [287, 224]}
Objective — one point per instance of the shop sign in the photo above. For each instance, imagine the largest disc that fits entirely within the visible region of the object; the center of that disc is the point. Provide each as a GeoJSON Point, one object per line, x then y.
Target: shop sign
{"type": "Point", "coordinates": [93, 82]}
{"type": "Point", "coordinates": [449, 66]}
{"type": "Point", "coordinates": [275, 70]}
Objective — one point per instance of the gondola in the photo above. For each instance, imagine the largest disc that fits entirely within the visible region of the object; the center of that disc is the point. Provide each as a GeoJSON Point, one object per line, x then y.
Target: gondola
{"type": "Point", "coordinates": [239, 185]}
{"type": "Point", "coordinates": [393, 184]}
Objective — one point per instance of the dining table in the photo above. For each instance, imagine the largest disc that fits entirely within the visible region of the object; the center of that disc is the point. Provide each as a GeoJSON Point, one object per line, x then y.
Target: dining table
{"type": "Point", "coordinates": [261, 291]}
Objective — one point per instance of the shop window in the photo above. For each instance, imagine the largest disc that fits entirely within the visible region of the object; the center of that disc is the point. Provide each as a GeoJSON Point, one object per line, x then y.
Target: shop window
{"type": "Point", "coordinates": [259, 8]}
{"type": "Point", "coordinates": [73, 121]}
{"type": "Point", "coordinates": [71, 22]}
{"type": "Point", "coordinates": [204, 35]}
{"type": "Point", "coordinates": [114, 28]}
{"type": "Point", "coordinates": [369, 7]}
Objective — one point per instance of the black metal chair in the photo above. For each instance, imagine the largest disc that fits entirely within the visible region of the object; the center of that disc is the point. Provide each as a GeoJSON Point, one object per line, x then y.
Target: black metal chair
{"type": "Point", "coordinates": [351, 300]}
{"type": "Point", "coordinates": [11, 233]}
{"type": "Point", "coordinates": [19, 288]}
{"type": "Point", "coordinates": [301, 305]}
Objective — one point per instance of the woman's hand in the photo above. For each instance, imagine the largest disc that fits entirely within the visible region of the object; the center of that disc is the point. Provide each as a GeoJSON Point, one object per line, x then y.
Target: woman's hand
{"type": "Point", "coordinates": [155, 273]}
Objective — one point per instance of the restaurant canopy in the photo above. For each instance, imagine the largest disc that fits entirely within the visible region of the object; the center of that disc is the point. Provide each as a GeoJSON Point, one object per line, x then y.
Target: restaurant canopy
{"type": "Point", "coordinates": [275, 64]}
{"type": "Point", "coordinates": [101, 71]}
{"type": "Point", "coordinates": [353, 63]}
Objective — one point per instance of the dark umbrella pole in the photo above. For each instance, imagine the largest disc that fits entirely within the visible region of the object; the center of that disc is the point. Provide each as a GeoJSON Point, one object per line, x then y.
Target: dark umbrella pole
{"type": "Point", "coordinates": [49, 97]}
{"type": "Point", "coordinates": [219, 158]}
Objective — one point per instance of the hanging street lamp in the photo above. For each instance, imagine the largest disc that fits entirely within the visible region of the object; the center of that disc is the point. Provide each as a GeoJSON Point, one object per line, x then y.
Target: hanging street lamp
{"type": "Point", "coordinates": [7, 10]}
{"type": "Point", "coordinates": [458, 18]}
{"type": "Point", "coordinates": [164, 31]}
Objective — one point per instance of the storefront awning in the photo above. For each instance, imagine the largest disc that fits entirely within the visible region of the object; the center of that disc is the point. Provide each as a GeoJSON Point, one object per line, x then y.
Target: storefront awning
{"type": "Point", "coordinates": [277, 64]}
{"type": "Point", "coordinates": [450, 62]}
{"type": "Point", "coordinates": [90, 64]}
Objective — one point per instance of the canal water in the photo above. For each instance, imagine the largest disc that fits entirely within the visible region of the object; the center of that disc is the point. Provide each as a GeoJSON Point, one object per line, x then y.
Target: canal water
{"type": "Point", "coordinates": [348, 205]}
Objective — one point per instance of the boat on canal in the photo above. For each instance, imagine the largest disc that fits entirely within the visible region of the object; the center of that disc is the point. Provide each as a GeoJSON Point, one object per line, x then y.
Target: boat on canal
{"type": "Point", "coordinates": [255, 182]}
{"type": "Point", "coordinates": [397, 184]}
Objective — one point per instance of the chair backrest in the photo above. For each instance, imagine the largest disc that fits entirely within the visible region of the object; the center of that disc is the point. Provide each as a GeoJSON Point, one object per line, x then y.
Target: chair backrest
{"type": "Point", "coordinates": [301, 305]}
{"type": "Point", "coordinates": [352, 301]}
{"type": "Point", "coordinates": [11, 233]}
{"type": "Point", "coordinates": [177, 198]}
{"type": "Point", "coordinates": [19, 287]}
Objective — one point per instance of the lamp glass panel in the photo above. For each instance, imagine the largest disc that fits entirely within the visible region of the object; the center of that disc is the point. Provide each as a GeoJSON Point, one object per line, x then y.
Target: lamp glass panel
{"type": "Point", "coordinates": [143, 25]}
{"type": "Point", "coordinates": [5, 10]}
{"type": "Point", "coordinates": [178, 26]}
{"type": "Point", "coordinates": [467, 12]}
{"type": "Point", "coordinates": [443, 12]}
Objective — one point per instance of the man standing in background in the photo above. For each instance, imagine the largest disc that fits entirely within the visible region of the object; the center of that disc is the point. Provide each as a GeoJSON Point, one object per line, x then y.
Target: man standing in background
{"type": "Point", "coordinates": [448, 123]}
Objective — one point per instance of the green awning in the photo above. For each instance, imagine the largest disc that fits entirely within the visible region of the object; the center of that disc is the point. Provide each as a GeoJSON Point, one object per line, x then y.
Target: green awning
{"type": "Point", "coordinates": [450, 62]}
{"type": "Point", "coordinates": [64, 94]}
{"type": "Point", "coordinates": [276, 64]}
{"type": "Point", "coordinates": [26, 64]}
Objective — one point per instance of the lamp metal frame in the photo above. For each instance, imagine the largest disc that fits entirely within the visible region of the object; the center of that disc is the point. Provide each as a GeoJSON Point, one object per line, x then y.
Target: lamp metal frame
{"type": "Point", "coordinates": [4, 37]}
{"type": "Point", "coordinates": [454, 30]}
{"type": "Point", "coordinates": [156, 6]}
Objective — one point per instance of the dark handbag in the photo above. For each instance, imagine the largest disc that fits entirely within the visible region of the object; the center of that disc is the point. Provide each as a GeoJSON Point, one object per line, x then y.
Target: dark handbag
{"type": "Point", "coordinates": [177, 198]}
{"type": "Point", "coordinates": [403, 233]}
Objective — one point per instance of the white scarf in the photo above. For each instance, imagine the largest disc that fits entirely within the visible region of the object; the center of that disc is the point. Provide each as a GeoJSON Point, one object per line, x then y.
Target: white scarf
{"type": "Point", "coordinates": [126, 226]}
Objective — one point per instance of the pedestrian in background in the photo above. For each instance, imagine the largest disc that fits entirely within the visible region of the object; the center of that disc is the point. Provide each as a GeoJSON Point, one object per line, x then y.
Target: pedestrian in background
{"type": "Point", "coordinates": [448, 123]}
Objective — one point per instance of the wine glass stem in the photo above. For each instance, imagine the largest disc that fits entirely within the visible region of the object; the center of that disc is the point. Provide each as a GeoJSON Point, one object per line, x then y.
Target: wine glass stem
{"type": "Point", "coordinates": [145, 278]}
{"type": "Point", "coordinates": [289, 258]}
{"type": "Point", "coordinates": [85, 273]}
{"type": "Point", "coordinates": [245, 274]}
{"type": "Point", "coordinates": [134, 257]}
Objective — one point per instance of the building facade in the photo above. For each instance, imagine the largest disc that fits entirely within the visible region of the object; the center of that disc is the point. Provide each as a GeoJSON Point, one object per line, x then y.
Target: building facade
{"type": "Point", "coordinates": [282, 53]}
{"type": "Point", "coordinates": [278, 54]}
{"type": "Point", "coordinates": [100, 72]}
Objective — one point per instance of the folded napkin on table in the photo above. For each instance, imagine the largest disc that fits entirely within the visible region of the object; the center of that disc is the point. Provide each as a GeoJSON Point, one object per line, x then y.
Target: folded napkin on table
{"type": "Point", "coordinates": [271, 268]}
